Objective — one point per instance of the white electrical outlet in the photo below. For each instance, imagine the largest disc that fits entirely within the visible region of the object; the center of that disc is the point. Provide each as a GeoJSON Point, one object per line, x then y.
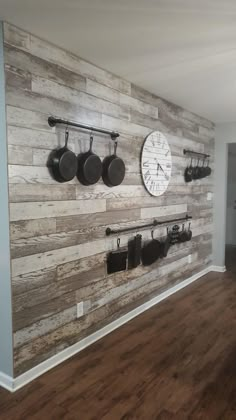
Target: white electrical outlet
{"type": "Point", "coordinates": [209, 196]}
{"type": "Point", "coordinates": [80, 309]}
{"type": "Point", "coordinates": [189, 258]}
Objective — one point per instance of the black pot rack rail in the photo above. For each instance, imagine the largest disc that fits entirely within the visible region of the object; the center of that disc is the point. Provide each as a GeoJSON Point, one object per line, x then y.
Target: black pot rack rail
{"type": "Point", "coordinates": [52, 121]}
{"type": "Point", "coordinates": [197, 154]}
{"type": "Point", "coordinates": [154, 224]}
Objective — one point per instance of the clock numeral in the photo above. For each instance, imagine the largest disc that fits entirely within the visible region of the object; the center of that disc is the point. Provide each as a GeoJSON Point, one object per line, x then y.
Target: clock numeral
{"type": "Point", "coordinates": [146, 164]}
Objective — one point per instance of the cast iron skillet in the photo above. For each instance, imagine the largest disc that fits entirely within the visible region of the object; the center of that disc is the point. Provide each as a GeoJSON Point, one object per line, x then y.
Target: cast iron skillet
{"type": "Point", "coordinates": [113, 169]}
{"type": "Point", "coordinates": [63, 162]}
{"type": "Point", "coordinates": [89, 166]}
{"type": "Point", "coordinates": [151, 251]}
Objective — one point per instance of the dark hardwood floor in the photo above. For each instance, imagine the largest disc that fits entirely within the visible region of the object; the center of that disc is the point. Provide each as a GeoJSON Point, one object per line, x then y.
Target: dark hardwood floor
{"type": "Point", "coordinates": [175, 361]}
{"type": "Point", "coordinates": [230, 258]}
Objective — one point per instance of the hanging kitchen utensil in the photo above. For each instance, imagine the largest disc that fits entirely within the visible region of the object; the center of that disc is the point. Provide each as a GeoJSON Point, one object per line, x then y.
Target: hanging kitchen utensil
{"type": "Point", "coordinates": [188, 174]}
{"type": "Point", "coordinates": [174, 234]}
{"type": "Point", "coordinates": [189, 233]}
{"type": "Point", "coordinates": [201, 170]}
{"type": "Point", "coordinates": [89, 166]}
{"type": "Point", "coordinates": [166, 244]}
{"type": "Point", "coordinates": [113, 169]}
{"type": "Point", "coordinates": [195, 174]}
{"type": "Point", "coordinates": [151, 251]}
{"type": "Point", "coordinates": [63, 162]}
{"type": "Point", "coordinates": [117, 260]}
{"type": "Point", "coordinates": [208, 169]}
{"type": "Point", "coordinates": [183, 236]}
{"type": "Point", "coordinates": [134, 251]}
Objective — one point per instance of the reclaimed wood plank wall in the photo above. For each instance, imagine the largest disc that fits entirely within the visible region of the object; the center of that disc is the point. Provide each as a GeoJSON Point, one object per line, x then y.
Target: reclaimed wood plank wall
{"type": "Point", "coordinates": [58, 243]}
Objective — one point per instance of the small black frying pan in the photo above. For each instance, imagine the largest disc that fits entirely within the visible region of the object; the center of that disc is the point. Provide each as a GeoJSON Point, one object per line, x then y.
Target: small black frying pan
{"type": "Point", "coordinates": [113, 169]}
{"type": "Point", "coordinates": [151, 251]}
{"type": "Point", "coordinates": [89, 166]}
{"type": "Point", "coordinates": [63, 162]}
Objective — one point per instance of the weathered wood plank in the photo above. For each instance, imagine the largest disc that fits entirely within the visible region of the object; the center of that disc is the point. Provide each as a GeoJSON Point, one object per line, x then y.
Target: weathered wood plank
{"type": "Point", "coordinates": [27, 118]}
{"type": "Point", "coordinates": [163, 211]}
{"type": "Point", "coordinates": [48, 105]}
{"type": "Point", "coordinates": [19, 156]}
{"type": "Point", "coordinates": [65, 59]}
{"type": "Point", "coordinates": [39, 67]}
{"type": "Point", "coordinates": [67, 224]}
{"type": "Point", "coordinates": [41, 210]}
{"type": "Point", "coordinates": [38, 192]}
{"type": "Point", "coordinates": [48, 88]}
{"type": "Point", "coordinates": [32, 228]}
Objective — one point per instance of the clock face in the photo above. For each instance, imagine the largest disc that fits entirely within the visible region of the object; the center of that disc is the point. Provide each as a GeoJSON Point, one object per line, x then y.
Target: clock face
{"type": "Point", "coordinates": [156, 163]}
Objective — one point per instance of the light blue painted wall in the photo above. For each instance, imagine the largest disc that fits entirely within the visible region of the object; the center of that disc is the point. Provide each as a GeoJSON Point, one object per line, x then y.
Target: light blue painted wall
{"type": "Point", "coordinates": [6, 345]}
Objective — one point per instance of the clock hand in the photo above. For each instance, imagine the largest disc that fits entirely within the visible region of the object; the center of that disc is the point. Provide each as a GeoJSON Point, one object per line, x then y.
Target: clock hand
{"type": "Point", "coordinates": [166, 177]}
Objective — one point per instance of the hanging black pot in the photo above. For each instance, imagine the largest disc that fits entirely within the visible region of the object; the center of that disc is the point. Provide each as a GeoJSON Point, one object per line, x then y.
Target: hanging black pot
{"type": "Point", "coordinates": [189, 233]}
{"type": "Point", "coordinates": [113, 169]}
{"type": "Point", "coordinates": [63, 163]}
{"type": "Point", "coordinates": [151, 251]}
{"type": "Point", "coordinates": [188, 174]}
{"type": "Point", "coordinates": [166, 244]}
{"type": "Point", "coordinates": [89, 166]}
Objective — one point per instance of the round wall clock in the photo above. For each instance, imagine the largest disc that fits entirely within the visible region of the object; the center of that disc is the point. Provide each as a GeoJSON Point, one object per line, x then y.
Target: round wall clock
{"type": "Point", "coordinates": [156, 163]}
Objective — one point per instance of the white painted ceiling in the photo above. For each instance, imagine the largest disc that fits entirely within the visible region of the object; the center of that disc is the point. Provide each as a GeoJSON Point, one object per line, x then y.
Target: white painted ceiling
{"type": "Point", "coordinates": [182, 50]}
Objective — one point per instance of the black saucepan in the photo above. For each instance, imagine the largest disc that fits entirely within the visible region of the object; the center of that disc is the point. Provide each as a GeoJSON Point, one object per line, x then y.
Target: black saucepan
{"type": "Point", "coordinates": [208, 169]}
{"type": "Point", "coordinates": [113, 169]}
{"type": "Point", "coordinates": [151, 251]}
{"type": "Point", "coordinates": [166, 244]}
{"type": "Point", "coordinates": [183, 236]}
{"type": "Point", "coordinates": [189, 233]}
{"type": "Point", "coordinates": [63, 162]}
{"type": "Point", "coordinates": [89, 166]}
{"type": "Point", "coordinates": [188, 174]}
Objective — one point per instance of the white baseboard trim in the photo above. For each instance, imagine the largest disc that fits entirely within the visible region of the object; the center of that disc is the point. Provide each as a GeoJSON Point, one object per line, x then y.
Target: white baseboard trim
{"type": "Point", "coordinates": [13, 384]}
{"type": "Point", "coordinates": [218, 268]}
{"type": "Point", "coordinates": [6, 382]}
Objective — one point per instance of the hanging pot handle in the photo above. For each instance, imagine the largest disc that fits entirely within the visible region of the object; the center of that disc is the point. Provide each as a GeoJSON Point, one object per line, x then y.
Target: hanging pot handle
{"type": "Point", "coordinates": [91, 143]}
{"type": "Point", "coordinates": [66, 137]}
{"type": "Point", "coordinates": [115, 147]}
{"type": "Point", "coordinates": [118, 243]}
{"type": "Point", "coordinates": [152, 233]}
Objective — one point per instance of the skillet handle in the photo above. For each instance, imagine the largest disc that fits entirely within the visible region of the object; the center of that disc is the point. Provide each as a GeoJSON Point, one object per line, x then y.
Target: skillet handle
{"type": "Point", "coordinates": [66, 138]}
{"type": "Point", "coordinates": [91, 143]}
{"type": "Point", "coordinates": [115, 147]}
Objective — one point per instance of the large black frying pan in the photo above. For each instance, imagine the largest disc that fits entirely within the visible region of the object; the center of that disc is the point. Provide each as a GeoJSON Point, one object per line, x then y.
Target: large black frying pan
{"type": "Point", "coordinates": [151, 251]}
{"type": "Point", "coordinates": [63, 162]}
{"type": "Point", "coordinates": [113, 169]}
{"type": "Point", "coordinates": [89, 166]}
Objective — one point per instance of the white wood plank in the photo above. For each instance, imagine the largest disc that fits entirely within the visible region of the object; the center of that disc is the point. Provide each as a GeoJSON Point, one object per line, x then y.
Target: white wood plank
{"type": "Point", "coordinates": [163, 211]}
{"type": "Point", "coordinates": [40, 210]}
